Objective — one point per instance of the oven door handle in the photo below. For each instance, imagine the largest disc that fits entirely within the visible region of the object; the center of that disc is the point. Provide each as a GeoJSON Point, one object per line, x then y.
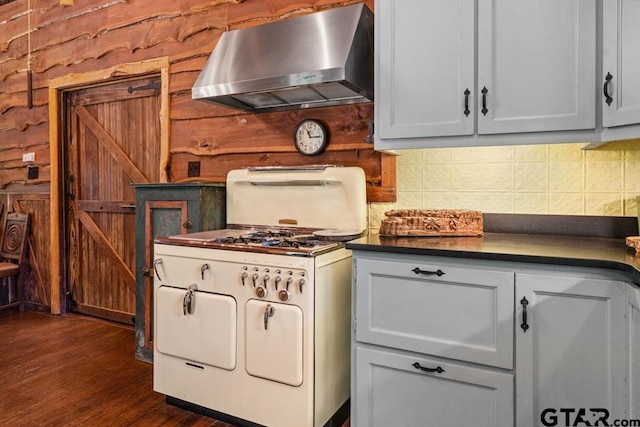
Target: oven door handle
{"type": "Point", "coordinates": [268, 312]}
{"type": "Point", "coordinates": [189, 300]}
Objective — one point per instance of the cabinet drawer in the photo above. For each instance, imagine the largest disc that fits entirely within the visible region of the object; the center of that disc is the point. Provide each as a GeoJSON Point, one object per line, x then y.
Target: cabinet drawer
{"type": "Point", "coordinates": [392, 391]}
{"type": "Point", "coordinates": [182, 271]}
{"type": "Point", "coordinates": [459, 313]}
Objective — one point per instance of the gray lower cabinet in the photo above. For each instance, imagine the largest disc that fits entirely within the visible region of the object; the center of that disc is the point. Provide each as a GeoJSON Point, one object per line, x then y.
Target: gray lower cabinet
{"type": "Point", "coordinates": [396, 388]}
{"type": "Point", "coordinates": [455, 342]}
{"type": "Point", "coordinates": [420, 325]}
{"type": "Point", "coordinates": [569, 349]}
{"type": "Point", "coordinates": [632, 315]}
{"type": "Point", "coordinates": [164, 210]}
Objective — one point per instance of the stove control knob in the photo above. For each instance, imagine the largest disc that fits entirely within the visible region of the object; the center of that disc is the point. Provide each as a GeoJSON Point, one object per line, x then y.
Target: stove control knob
{"type": "Point", "coordinates": [244, 278]}
{"type": "Point", "coordinates": [261, 292]}
{"type": "Point", "coordinates": [301, 284]}
{"type": "Point", "coordinates": [278, 280]}
{"type": "Point", "coordinates": [254, 279]}
{"type": "Point", "coordinates": [284, 295]}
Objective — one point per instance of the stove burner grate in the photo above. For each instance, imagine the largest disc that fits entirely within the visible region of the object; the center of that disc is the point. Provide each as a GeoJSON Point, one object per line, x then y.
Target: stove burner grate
{"type": "Point", "coordinates": [293, 242]}
{"type": "Point", "coordinates": [267, 234]}
{"type": "Point", "coordinates": [234, 240]}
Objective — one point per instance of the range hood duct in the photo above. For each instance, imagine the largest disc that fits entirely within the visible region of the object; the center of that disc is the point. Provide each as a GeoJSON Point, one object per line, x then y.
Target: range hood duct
{"type": "Point", "coordinates": [317, 60]}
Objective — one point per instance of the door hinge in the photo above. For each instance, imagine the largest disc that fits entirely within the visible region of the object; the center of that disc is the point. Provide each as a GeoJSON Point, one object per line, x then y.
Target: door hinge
{"type": "Point", "coordinates": [355, 323]}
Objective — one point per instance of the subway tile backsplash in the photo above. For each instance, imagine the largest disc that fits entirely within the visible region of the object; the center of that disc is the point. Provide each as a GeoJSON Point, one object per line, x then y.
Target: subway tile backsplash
{"type": "Point", "coordinates": [559, 179]}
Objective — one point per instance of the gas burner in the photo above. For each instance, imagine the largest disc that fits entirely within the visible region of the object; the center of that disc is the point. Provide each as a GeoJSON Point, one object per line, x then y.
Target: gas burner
{"type": "Point", "coordinates": [233, 240]}
{"type": "Point", "coordinates": [293, 242]}
{"type": "Point", "coordinates": [261, 235]}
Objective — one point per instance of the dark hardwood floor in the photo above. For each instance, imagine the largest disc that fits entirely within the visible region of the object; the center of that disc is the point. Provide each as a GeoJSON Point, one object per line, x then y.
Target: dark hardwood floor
{"type": "Point", "coordinates": [76, 371]}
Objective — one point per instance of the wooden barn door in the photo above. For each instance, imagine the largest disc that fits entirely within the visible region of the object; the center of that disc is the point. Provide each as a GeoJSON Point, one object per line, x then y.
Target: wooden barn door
{"type": "Point", "coordinates": [112, 140]}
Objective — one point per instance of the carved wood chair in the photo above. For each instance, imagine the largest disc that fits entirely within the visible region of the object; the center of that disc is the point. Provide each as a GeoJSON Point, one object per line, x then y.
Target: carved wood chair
{"type": "Point", "coordinates": [12, 250]}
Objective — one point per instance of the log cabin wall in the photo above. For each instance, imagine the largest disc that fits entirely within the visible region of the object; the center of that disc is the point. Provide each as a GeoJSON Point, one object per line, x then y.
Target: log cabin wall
{"type": "Point", "coordinates": [41, 40]}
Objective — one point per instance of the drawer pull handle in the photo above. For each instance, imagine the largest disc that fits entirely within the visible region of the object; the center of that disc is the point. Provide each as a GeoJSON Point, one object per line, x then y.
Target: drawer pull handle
{"type": "Point", "coordinates": [524, 325]}
{"type": "Point", "coordinates": [155, 267]}
{"type": "Point", "coordinates": [438, 272]}
{"type": "Point", "coordinates": [204, 268]}
{"type": "Point", "coordinates": [437, 369]}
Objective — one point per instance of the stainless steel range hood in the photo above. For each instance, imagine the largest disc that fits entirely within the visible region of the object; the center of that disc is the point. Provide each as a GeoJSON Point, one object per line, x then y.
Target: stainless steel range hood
{"type": "Point", "coordinates": [316, 60]}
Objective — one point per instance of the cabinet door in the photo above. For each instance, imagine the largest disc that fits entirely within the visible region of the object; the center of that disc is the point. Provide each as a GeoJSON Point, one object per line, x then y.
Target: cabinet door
{"type": "Point", "coordinates": [392, 390]}
{"type": "Point", "coordinates": [424, 65]}
{"type": "Point", "coordinates": [459, 313]}
{"type": "Point", "coordinates": [161, 218]}
{"type": "Point", "coordinates": [273, 334]}
{"type": "Point", "coordinates": [571, 355]}
{"type": "Point", "coordinates": [633, 359]}
{"type": "Point", "coordinates": [536, 62]}
{"type": "Point", "coordinates": [621, 61]}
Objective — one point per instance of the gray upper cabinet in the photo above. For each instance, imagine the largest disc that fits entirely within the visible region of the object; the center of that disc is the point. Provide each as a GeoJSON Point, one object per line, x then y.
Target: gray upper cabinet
{"type": "Point", "coordinates": [536, 65]}
{"type": "Point", "coordinates": [620, 63]}
{"type": "Point", "coordinates": [425, 65]}
{"type": "Point", "coordinates": [488, 72]}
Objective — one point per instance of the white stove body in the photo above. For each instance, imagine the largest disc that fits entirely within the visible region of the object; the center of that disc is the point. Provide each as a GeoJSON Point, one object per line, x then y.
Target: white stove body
{"type": "Point", "coordinates": [256, 354]}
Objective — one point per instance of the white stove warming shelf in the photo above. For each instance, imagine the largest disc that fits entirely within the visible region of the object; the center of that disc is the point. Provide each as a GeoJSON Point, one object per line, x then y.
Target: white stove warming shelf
{"type": "Point", "coordinates": [253, 330]}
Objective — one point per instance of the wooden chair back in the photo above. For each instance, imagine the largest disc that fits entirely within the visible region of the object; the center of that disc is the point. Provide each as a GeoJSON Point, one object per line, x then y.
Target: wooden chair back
{"type": "Point", "coordinates": [14, 236]}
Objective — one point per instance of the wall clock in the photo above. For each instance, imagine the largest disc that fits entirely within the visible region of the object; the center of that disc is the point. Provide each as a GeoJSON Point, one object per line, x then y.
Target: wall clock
{"type": "Point", "coordinates": [310, 137]}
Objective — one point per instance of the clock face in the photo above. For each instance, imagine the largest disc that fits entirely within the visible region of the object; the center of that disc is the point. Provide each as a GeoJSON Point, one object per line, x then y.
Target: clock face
{"type": "Point", "coordinates": [310, 137]}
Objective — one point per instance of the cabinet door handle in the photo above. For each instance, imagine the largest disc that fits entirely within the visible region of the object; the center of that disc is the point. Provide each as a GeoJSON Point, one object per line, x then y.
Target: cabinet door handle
{"type": "Point", "coordinates": [484, 101]}
{"type": "Point", "coordinates": [437, 369]}
{"type": "Point", "coordinates": [524, 325]}
{"type": "Point", "coordinates": [466, 102]}
{"type": "Point", "coordinates": [605, 88]}
{"type": "Point", "coordinates": [438, 272]}
{"type": "Point", "coordinates": [187, 224]}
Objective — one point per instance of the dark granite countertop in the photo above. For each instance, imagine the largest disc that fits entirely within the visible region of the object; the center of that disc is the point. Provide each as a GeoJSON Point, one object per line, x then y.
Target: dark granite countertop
{"type": "Point", "coordinates": [607, 253]}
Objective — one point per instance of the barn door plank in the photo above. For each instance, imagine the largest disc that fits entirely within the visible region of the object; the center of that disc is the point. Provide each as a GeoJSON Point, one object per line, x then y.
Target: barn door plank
{"type": "Point", "coordinates": [101, 240]}
{"type": "Point", "coordinates": [112, 146]}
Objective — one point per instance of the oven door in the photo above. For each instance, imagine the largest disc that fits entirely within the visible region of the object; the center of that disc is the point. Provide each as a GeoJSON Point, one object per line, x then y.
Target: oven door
{"type": "Point", "coordinates": [205, 335]}
{"type": "Point", "coordinates": [274, 341]}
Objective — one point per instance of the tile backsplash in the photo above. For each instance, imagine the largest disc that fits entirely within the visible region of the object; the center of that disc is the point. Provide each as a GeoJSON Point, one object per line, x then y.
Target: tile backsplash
{"type": "Point", "coordinates": [560, 179]}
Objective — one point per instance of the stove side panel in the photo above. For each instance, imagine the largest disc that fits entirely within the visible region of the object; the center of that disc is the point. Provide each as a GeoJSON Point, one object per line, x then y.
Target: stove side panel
{"type": "Point", "coordinates": [332, 333]}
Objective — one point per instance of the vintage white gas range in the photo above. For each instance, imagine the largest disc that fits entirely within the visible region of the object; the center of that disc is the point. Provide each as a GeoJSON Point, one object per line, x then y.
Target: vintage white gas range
{"type": "Point", "coordinates": [253, 322]}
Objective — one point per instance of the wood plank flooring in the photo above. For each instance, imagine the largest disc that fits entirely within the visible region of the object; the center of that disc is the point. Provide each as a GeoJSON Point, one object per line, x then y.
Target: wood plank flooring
{"type": "Point", "coordinates": [76, 371]}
